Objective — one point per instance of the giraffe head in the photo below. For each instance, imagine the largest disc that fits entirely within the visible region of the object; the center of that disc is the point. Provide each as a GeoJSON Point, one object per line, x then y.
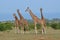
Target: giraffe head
{"type": "Point", "coordinates": [27, 9]}
{"type": "Point", "coordinates": [14, 15]}
{"type": "Point", "coordinates": [17, 10]}
{"type": "Point", "coordinates": [41, 9]}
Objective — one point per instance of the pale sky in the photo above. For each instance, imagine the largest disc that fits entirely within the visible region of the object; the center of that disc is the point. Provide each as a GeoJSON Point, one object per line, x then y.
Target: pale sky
{"type": "Point", "coordinates": [51, 8]}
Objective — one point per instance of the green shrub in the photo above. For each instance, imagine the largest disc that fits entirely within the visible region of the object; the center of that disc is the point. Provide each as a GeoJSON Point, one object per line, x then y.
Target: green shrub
{"type": "Point", "coordinates": [38, 26]}
{"type": "Point", "coordinates": [55, 25]}
{"type": "Point", "coordinates": [5, 26]}
{"type": "Point", "coordinates": [31, 26]}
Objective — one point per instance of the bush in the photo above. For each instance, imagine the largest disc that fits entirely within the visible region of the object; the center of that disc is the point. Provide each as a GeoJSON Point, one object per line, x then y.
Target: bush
{"type": "Point", "coordinates": [31, 26]}
{"type": "Point", "coordinates": [5, 26]}
{"type": "Point", "coordinates": [55, 25]}
{"type": "Point", "coordinates": [38, 26]}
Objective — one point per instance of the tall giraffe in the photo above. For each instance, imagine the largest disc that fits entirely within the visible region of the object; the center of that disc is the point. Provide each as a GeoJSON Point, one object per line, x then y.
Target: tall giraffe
{"type": "Point", "coordinates": [16, 22]}
{"type": "Point", "coordinates": [35, 18]}
{"type": "Point", "coordinates": [43, 22]}
{"type": "Point", "coordinates": [24, 21]}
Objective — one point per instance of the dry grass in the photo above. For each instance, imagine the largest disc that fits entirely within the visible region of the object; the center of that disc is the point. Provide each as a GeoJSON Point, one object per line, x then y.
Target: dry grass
{"type": "Point", "coordinates": [51, 35]}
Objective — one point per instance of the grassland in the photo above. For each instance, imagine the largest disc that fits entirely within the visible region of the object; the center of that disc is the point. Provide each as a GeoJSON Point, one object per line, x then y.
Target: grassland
{"type": "Point", "coordinates": [11, 35]}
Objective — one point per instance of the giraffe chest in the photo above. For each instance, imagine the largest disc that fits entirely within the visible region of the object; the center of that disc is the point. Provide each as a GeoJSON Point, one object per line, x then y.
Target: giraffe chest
{"type": "Point", "coordinates": [36, 19]}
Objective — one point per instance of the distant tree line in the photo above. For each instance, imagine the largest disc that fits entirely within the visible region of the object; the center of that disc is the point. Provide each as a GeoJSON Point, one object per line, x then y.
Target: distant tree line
{"type": "Point", "coordinates": [54, 23]}
{"type": "Point", "coordinates": [8, 25]}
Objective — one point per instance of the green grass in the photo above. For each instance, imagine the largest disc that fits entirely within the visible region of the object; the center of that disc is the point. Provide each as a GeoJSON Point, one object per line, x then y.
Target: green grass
{"type": "Point", "coordinates": [11, 35]}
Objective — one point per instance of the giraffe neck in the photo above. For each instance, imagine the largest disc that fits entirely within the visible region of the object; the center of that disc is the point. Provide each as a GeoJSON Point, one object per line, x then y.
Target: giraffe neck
{"type": "Point", "coordinates": [42, 15]}
{"type": "Point", "coordinates": [16, 18]}
{"type": "Point", "coordinates": [21, 17]}
{"type": "Point", "coordinates": [32, 15]}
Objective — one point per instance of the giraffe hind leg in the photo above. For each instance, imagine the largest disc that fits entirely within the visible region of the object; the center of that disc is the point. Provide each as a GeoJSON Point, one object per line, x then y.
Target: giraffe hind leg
{"type": "Point", "coordinates": [18, 30]}
{"type": "Point", "coordinates": [43, 29]}
{"type": "Point", "coordinates": [35, 29]}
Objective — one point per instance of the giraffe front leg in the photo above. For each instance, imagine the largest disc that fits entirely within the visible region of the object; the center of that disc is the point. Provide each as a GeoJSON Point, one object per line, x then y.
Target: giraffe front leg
{"type": "Point", "coordinates": [42, 30]}
{"type": "Point", "coordinates": [18, 31]}
{"type": "Point", "coordinates": [16, 28]}
{"type": "Point", "coordinates": [45, 30]}
{"type": "Point", "coordinates": [35, 29]}
{"type": "Point", "coordinates": [22, 28]}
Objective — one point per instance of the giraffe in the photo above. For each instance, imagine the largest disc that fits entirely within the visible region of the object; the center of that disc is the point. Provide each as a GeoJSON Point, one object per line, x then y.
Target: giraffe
{"type": "Point", "coordinates": [35, 18]}
{"type": "Point", "coordinates": [43, 22]}
{"type": "Point", "coordinates": [16, 22]}
{"type": "Point", "coordinates": [24, 21]}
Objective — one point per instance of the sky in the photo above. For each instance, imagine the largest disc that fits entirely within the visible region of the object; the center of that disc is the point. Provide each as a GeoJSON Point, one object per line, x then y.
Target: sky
{"type": "Point", "coordinates": [51, 8]}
